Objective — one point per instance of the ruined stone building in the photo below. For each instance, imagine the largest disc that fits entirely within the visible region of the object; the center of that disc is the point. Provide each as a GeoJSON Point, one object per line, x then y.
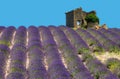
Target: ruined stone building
{"type": "Point", "coordinates": [76, 18]}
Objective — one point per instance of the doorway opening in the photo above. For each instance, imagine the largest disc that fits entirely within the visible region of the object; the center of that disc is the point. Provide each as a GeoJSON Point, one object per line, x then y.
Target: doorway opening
{"type": "Point", "coordinates": [78, 23]}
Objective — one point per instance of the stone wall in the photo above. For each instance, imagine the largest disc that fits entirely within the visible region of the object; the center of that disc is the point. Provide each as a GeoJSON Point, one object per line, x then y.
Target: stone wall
{"type": "Point", "coordinates": [70, 19]}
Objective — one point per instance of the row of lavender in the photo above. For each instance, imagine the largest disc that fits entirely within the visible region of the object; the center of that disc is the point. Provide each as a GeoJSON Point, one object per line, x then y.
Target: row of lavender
{"type": "Point", "coordinates": [5, 43]}
{"type": "Point", "coordinates": [36, 67]}
{"type": "Point", "coordinates": [18, 55]}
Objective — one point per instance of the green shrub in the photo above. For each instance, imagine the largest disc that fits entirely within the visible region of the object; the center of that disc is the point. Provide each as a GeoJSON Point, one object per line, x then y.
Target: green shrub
{"type": "Point", "coordinates": [114, 65]}
{"type": "Point", "coordinates": [92, 18]}
{"type": "Point", "coordinates": [16, 70]}
{"type": "Point", "coordinates": [4, 42]}
{"type": "Point", "coordinates": [83, 50]}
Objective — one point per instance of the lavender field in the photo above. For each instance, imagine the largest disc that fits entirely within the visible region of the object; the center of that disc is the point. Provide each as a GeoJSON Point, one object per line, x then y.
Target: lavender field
{"type": "Point", "coordinates": [59, 53]}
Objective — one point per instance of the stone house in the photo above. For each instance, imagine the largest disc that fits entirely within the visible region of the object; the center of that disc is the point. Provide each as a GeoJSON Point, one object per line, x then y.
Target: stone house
{"type": "Point", "coordinates": [76, 19]}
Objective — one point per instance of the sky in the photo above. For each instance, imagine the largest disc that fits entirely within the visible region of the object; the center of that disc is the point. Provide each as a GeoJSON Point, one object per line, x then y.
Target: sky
{"type": "Point", "coordinates": [52, 12]}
